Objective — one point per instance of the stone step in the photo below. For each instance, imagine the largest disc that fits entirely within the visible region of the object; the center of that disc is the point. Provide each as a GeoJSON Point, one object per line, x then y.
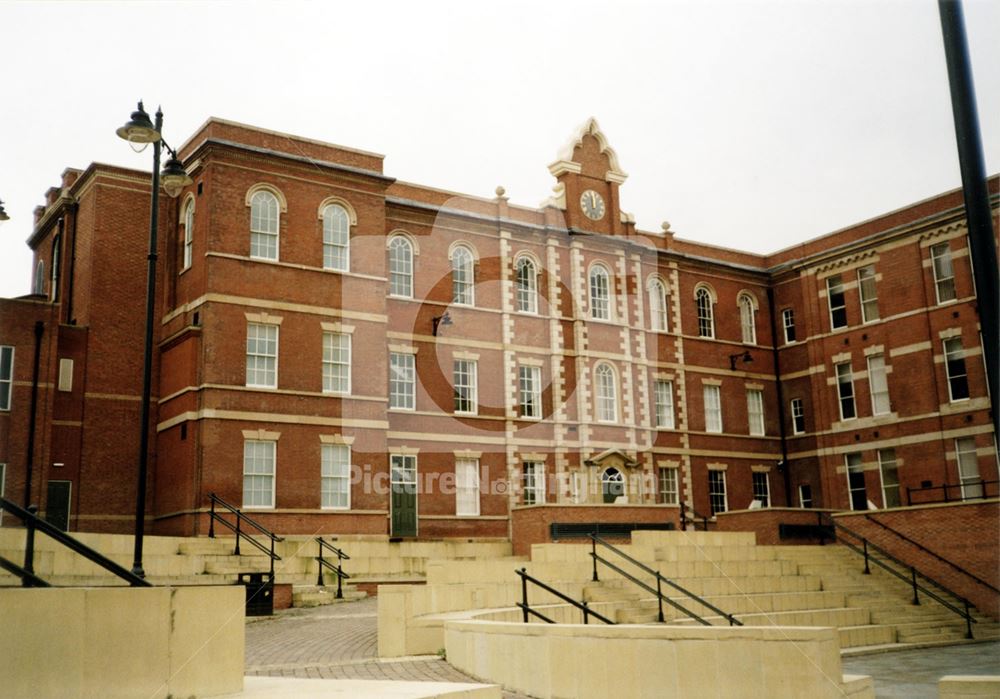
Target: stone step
{"type": "Point", "coordinates": [866, 635]}
{"type": "Point", "coordinates": [315, 596]}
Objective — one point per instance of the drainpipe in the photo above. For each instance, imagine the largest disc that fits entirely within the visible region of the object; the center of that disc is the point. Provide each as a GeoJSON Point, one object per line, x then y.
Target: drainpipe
{"type": "Point", "coordinates": [781, 400]}
{"type": "Point", "coordinates": [30, 462]}
{"type": "Point", "coordinates": [74, 208]}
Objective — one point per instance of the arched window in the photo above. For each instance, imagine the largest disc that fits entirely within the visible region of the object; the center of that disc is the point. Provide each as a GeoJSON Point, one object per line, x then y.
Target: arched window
{"type": "Point", "coordinates": [657, 305]}
{"type": "Point", "coordinates": [462, 277]}
{"type": "Point", "coordinates": [54, 273]}
{"type": "Point", "coordinates": [748, 320]}
{"type": "Point", "coordinates": [607, 394]}
{"type": "Point", "coordinates": [40, 278]}
{"type": "Point", "coordinates": [188, 256]}
{"type": "Point", "coordinates": [527, 286]}
{"type": "Point", "coordinates": [264, 226]}
{"type": "Point", "coordinates": [600, 293]}
{"type": "Point", "coordinates": [400, 267]}
{"type": "Point", "coordinates": [612, 485]}
{"type": "Point", "coordinates": [706, 318]}
{"type": "Point", "coordinates": [336, 238]}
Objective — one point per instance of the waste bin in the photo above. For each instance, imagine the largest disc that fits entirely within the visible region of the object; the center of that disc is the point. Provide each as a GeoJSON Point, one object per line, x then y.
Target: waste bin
{"type": "Point", "coordinates": [260, 593]}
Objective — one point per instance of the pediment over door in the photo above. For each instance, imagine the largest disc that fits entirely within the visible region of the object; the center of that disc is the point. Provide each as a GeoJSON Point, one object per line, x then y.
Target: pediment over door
{"type": "Point", "coordinates": [612, 458]}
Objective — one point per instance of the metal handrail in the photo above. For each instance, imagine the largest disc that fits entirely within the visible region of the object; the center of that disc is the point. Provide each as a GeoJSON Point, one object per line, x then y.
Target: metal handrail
{"type": "Point", "coordinates": [733, 621]}
{"type": "Point", "coordinates": [237, 528]}
{"type": "Point", "coordinates": [926, 550]}
{"type": "Point", "coordinates": [338, 569]}
{"type": "Point", "coordinates": [693, 519]}
{"type": "Point", "coordinates": [526, 610]}
{"type": "Point", "coordinates": [944, 491]}
{"type": "Point", "coordinates": [32, 523]}
{"type": "Point", "coordinates": [912, 580]}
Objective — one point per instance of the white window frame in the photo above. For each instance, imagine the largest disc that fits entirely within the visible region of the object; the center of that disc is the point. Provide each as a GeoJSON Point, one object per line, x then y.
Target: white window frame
{"type": "Point", "coordinates": [755, 412]}
{"type": "Point", "coordinates": [667, 490]}
{"type": "Point", "coordinates": [756, 478]}
{"type": "Point", "coordinates": [663, 396]}
{"type": "Point", "coordinates": [868, 294]}
{"type": "Point", "coordinates": [949, 351]}
{"type": "Point", "coordinates": [188, 252]}
{"type": "Point", "coordinates": [7, 380]}
{"type": "Point", "coordinates": [40, 278]}
{"type": "Point", "coordinates": [265, 228]}
{"type": "Point", "coordinates": [658, 306]}
{"type": "Point", "coordinates": [606, 393]}
{"type": "Point", "coordinates": [463, 276]}
{"type": "Point", "coordinates": [887, 462]}
{"type": "Point", "coordinates": [400, 267]}
{"type": "Point", "coordinates": [467, 495]}
{"type": "Point", "coordinates": [712, 396]}
{"type": "Point", "coordinates": [405, 365]}
{"type": "Point", "coordinates": [533, 482]}
{"type": "Point", "coordinates": [529, 385]}
{"type": "Point", "coordinates": [844, 375]}
{"type": "Point", "coordinates": [944, 273]}
{"type": "Point", "coordinates": [803, 499]}
{"type": "Point", "coordinates": [859, 468]}
{"type": "Point", "coordinates": [263, 476]}
{"type": "Point", "coordinates": [336, 238]}
{"type": "Point", "coordinates": [526, 285]}
{"type": "Point", "coordinates": [797, 408]}
{"type": "Point", "coordinates": [334, 471]}
{"type": "Point", "coordinates": [835, 286]}
{"type": "Point", "coordinates": [333, 366]}
{"type": "Point", "coordinates": [705, 312]}
{"type": "Point", "coordinates": [878, 385]}
{"type": "Point", "coordinates": [715, 479]}
{"type": "Point", "coordinates": [257, 356]}
{"type": "Point", "coordinates": [465, 369]}
{"type": "Point", "coordinates": [788, 323]}
{"type": "Point", "coordinates": [748, 319]}
{"type": "Point", "coordinates": [965, 453]}
{"type": "Point", "coordinates": [600, 285]}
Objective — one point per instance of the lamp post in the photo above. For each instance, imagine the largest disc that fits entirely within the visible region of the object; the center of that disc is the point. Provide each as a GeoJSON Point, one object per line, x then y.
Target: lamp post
{"type": "Point", "coordinates": [140, 131]}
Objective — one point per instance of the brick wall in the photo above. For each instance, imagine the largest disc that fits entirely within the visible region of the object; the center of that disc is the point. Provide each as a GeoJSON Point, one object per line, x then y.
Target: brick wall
{"type": "Point", "coordinates": [530, 524]}
{"type": "Point", "coordinates": [765, 523]}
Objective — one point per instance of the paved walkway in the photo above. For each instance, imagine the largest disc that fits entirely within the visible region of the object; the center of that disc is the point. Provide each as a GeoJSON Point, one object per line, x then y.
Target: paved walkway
{"type": "Point", "coordinates": [914, 674]}
{"type": "Point", "coordinates": [335, 642]}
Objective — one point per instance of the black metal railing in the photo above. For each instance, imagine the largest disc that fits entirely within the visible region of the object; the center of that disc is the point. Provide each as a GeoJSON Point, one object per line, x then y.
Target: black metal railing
{"type": "Point", "coordinates": [660, 581]}
{"type": "Point", "coordinates": [33, 523]}
{"type": "Point", "coordinates": [910, 575]}
{"type": "Point", "coordinates": [527, 610]}
{"type": "Point", "coordinates": [689, 514]}
{"type": "Point", "coordinates": [239, 527]}
{"type": "Point", "coordinates": [970, 490]}
{"type": "Point", "coordinates": [933, 554]}
{"type": "Point", "coordinates": [337, 569]}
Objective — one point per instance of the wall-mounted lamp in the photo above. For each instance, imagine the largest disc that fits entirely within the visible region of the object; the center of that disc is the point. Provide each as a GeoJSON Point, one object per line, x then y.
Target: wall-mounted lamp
{"type": "Point", "coordinates": [439, 321]}
{"type": "Point", "coordinates": [744, 357]}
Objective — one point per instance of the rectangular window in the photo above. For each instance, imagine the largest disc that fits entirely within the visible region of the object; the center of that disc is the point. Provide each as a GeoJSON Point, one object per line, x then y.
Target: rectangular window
{"type": "Point", "coordinates": [879, 384]}
{"type": "Point", "coordinates": [717, 492]}
{"type": "Point", "coordinates": [335, 486]}
{"type": "Point", "coordinates": [713, 409]}
{"type": "Point", "coordinates": [856, 481]}
{"type": "Point", "coordinates": [6, 375]}
{"type": "Point", "coordinates": [467, 487]}
{"type": "Point", "coordinates": [262, 355]}
{"type": "Point", "coordinates": [805, 496]}
{"type": "Point", "coordinates": [402, 381]}
{"type": "Point", "coordinates": [868, 293]}
{"type": "Point", "coordinates": [798, 416]}
{"type": "Point", "coordinates": [258, 473]}
{"type": "Point", "coordinates": [788, 322]}
{"type": "Point", "coordinates": [761, 488]}
{"type": "Point", "coordinates": [530, 391]}
{"type": "Point", "coordinates": [65, 375]}
{"type": "Point", "coordinates": [668, 486]}
{"type": "Point", "coordinates": [533, 483]}
{"type": "Point", "coordinates": [944, 275]}
{"type": "Point", "coordinates": [664, 404]}
{"type": "Point", "coordinates": [755, 411]}
{"type": "Point", "coordinates": [890, 477]}
{"type": "Point", "coordinates": [845, 391]}
{"type": "Point", "coordinates": [464, 379]}
{"type": "Point", "coordinates": [954, 364]}
{"type": "Point", "coordinates": [336, 363]}
{"type": "Point", "coordinates": [968, 468]}
{"type": "Point", "coordinates": [835, 297]}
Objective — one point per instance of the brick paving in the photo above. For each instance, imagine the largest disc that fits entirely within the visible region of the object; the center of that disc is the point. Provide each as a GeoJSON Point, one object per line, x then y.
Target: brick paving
{"type": "Point", "coordinates": [335, 642]}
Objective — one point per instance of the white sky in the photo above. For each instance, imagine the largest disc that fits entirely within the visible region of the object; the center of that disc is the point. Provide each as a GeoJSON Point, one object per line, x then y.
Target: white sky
{"type": "Point", "coordinates": [752, 125]}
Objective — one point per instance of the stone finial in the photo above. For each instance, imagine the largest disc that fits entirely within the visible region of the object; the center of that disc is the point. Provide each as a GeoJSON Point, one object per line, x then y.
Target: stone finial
{"type": "Point", "coordinates": [501, 192]}
{"type": "Point", "coordinates": [665, 226]}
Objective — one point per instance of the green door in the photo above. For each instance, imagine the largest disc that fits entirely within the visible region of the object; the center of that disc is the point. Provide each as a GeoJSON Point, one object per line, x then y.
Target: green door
{"type": "Point", "coordinates": [403, 505]}
{"type": "Point", "coordinates": [57, 504]}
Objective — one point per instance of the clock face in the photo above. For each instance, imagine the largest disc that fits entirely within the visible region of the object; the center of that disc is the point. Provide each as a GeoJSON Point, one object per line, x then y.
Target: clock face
{"type": "Point", "coordinates": [592, 205]}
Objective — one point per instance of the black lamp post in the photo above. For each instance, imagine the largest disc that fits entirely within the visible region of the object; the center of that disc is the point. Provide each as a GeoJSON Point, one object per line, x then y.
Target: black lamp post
{"type": "Point", "coordinates": [139, 130]}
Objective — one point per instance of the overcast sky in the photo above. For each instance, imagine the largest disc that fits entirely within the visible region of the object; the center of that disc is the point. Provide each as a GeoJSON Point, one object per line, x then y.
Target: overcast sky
{"type": "Point", "coordinates": [752, 125]}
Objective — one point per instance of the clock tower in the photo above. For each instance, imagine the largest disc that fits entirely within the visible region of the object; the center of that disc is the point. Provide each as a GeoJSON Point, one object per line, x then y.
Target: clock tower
{"type": "Point", "coordinates": [588, 177]}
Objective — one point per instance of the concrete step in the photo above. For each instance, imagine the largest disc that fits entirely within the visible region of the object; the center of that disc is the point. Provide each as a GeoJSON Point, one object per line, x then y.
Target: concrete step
{"type": "Point", "coordinates": [314, 596]}
{"type": "Point", "coordinates": [866, 635]}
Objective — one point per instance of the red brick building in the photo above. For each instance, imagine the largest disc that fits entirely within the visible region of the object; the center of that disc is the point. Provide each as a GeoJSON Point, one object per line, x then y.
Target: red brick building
{"type": "Point", "coordinates": [340, 351]}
